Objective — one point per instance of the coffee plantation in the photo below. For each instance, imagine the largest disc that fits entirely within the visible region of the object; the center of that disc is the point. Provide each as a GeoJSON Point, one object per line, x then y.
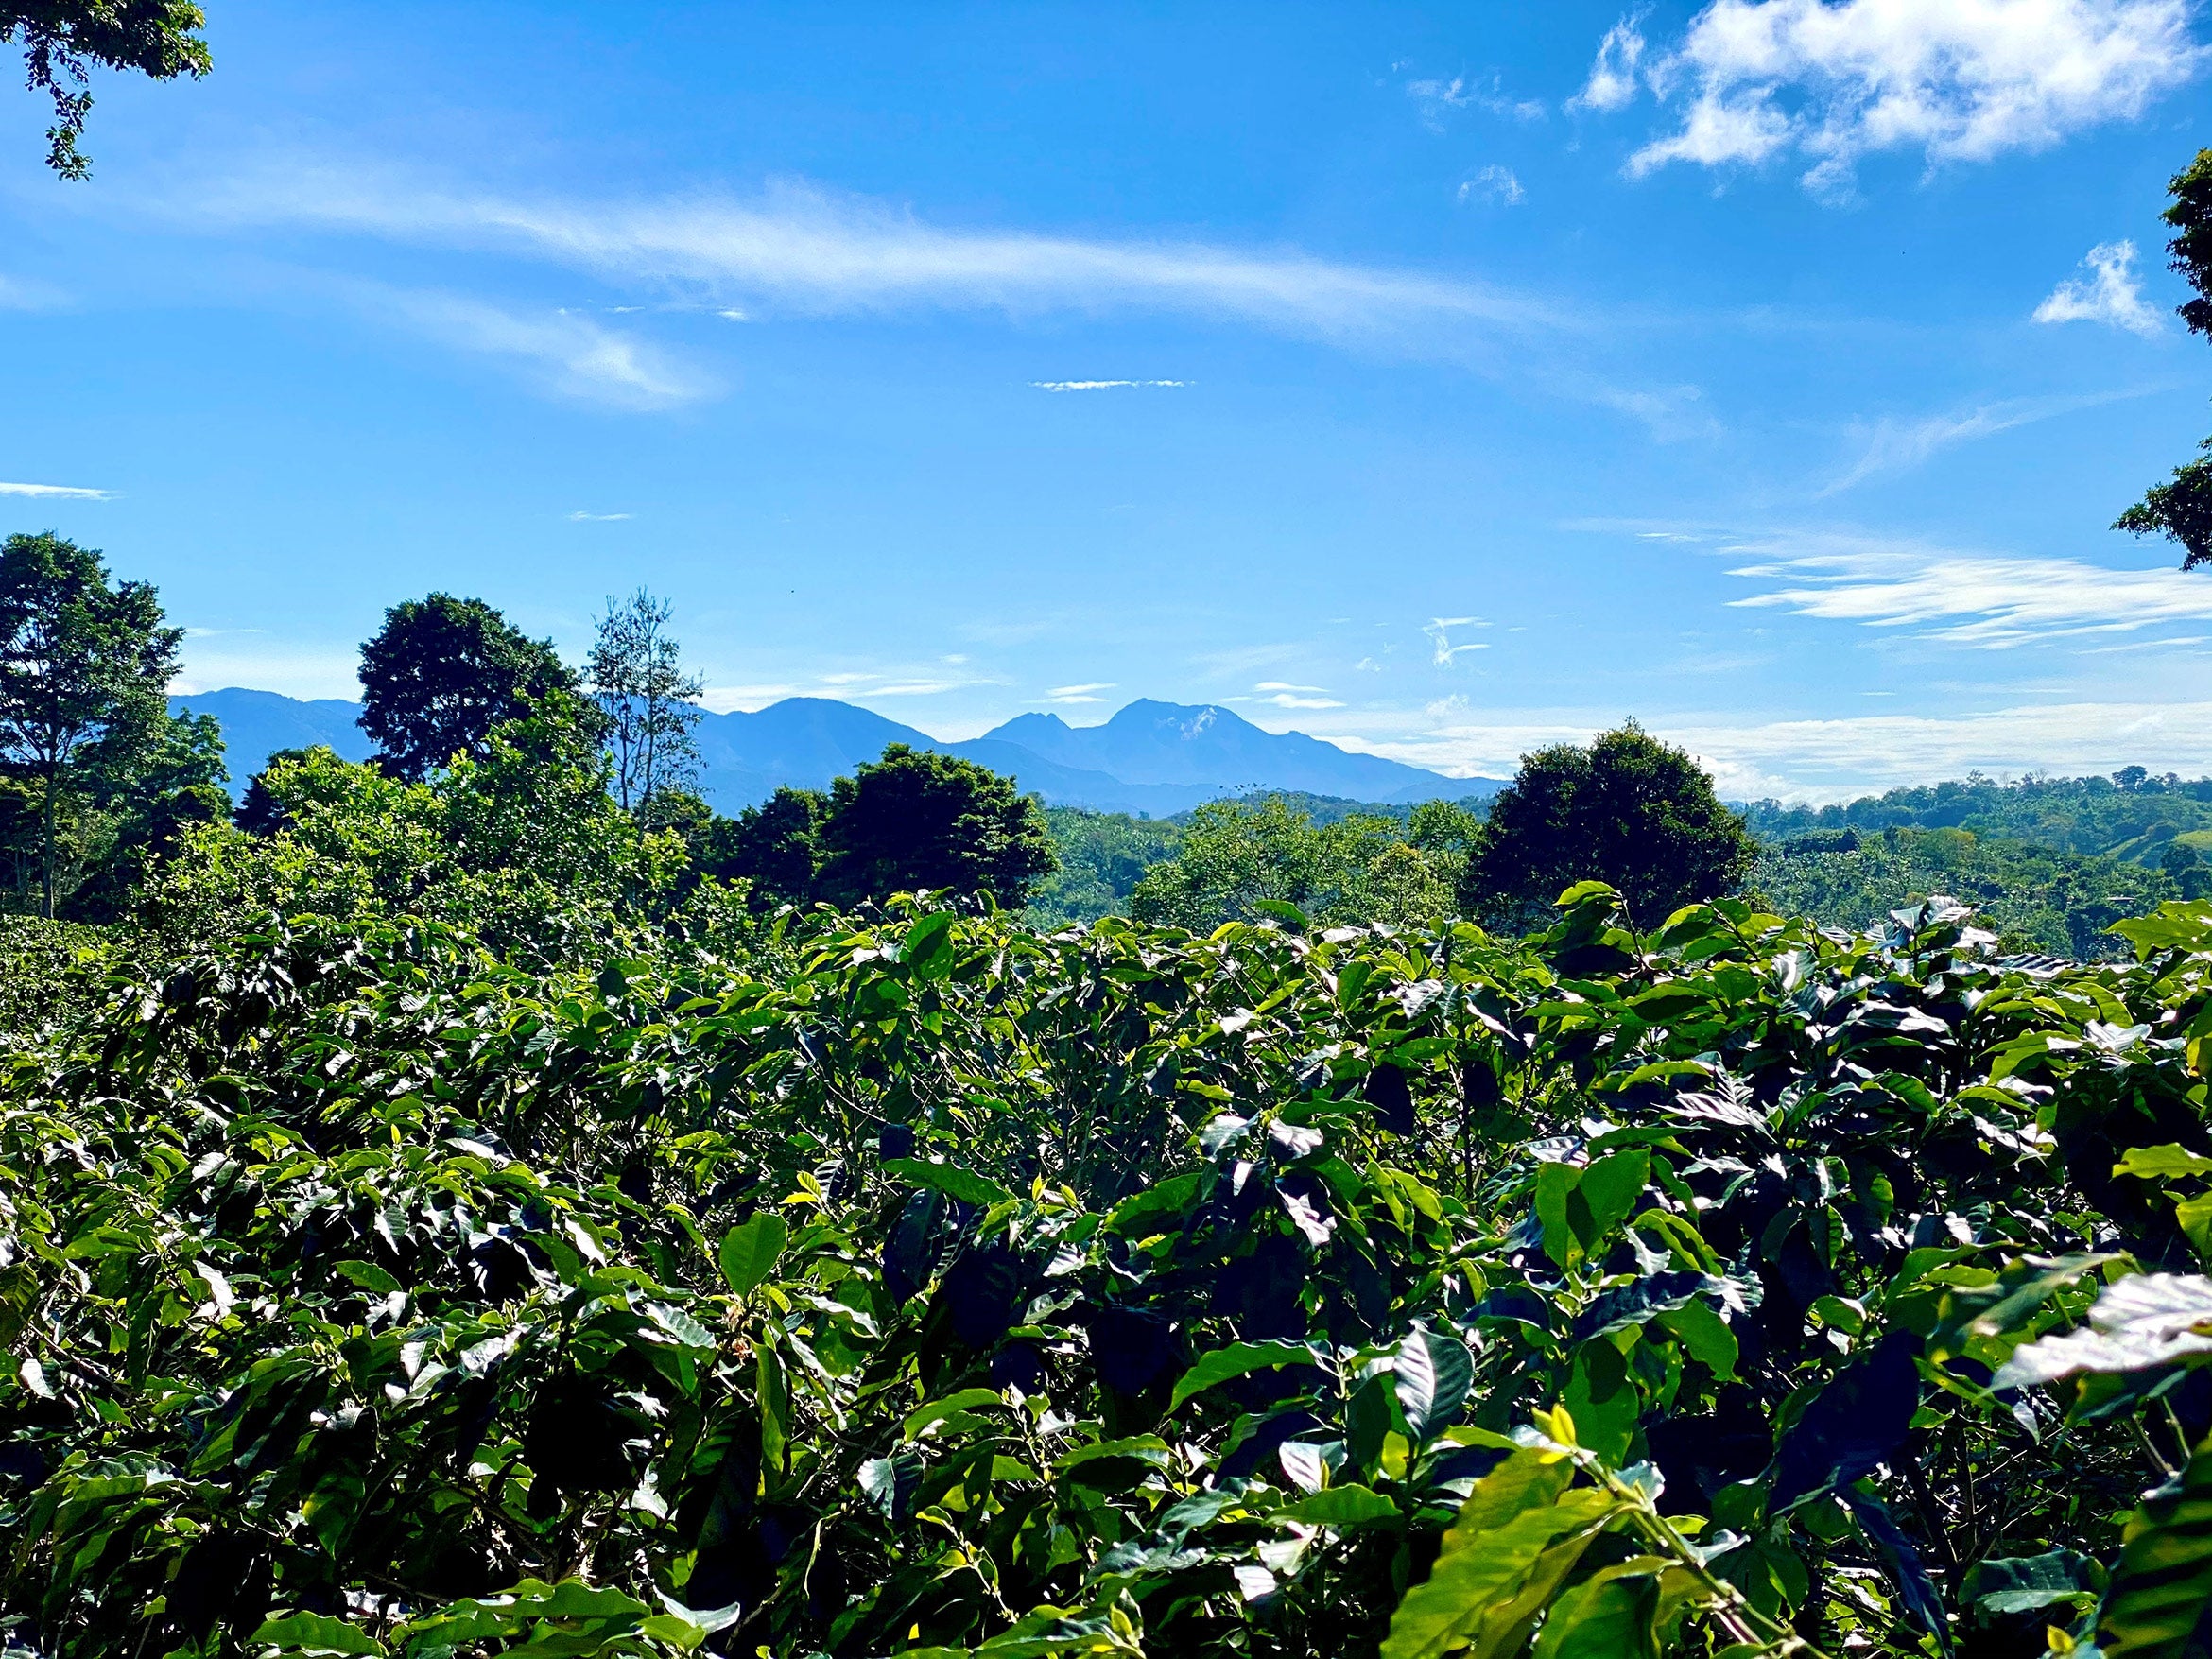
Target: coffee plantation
{"type": "Point", "coordinates": [926, 1283]}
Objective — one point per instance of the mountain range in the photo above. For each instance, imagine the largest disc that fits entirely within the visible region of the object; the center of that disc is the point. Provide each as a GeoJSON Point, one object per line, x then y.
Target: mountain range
{"type": "Point", "coordinates": [1152, 758]}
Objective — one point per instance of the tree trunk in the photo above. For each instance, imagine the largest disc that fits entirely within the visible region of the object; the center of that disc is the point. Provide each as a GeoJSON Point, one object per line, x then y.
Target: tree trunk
{"type": "Point", "coordinates": [49, 829]}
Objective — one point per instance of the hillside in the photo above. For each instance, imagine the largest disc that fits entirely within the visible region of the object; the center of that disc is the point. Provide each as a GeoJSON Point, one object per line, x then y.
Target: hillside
{"type": "Point", "coordinates": [2037, 898]}
{"type": "Point", "coordinates": [1153, 759]}
{"type": "Point", "coordinates": [2131, 815]}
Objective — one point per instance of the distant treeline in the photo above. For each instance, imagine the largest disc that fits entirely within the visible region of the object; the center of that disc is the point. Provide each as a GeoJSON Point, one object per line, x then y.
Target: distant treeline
{"type": "Point", "coordinates": [2130, 814]}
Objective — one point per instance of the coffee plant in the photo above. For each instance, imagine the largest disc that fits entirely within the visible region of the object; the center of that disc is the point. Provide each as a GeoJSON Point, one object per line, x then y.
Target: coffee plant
{"type": "Point", "coordinates": [928, 1284]}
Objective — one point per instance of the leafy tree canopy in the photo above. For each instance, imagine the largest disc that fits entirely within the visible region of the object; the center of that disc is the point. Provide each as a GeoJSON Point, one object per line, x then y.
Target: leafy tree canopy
{"type": "Point", "coordinates": [1628, 810]}
{"type": "Point", "coordinates": [521, 845]}
{"type": "Point", "coordinates": [919, 822]}
{"type": "Point", "coordinates": [441, 674]}
{"type": "Point", "coordinates": [1236, 858]}
{"type": "Point", "coordinates": [62, 39]}
{"type": "Point", "coordinates": [259, 813]}
{"type": "Point", "coordinates": [85, 663]}
{"type": "Point", "coordinates": [774, 845]}
{"type": "Point", "coordinates": [2181, 508]}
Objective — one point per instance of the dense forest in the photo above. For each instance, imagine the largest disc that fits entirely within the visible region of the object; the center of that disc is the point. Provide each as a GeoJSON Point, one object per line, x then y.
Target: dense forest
{"type": "Point", "coordinates": [484, 1201]}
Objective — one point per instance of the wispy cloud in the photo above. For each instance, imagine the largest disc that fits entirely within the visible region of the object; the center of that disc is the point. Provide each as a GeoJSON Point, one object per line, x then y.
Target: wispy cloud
{"type": "Point", "coordinates": [560, 351]}
{"type": "Point", "coordinates": [1439, 631]}
{"type": "Point", "coordinates": [1613, 76]}
{"type": "Point", "coordinates": [1087, 692]}
{"type": "Point", "coordinates": [1435, 98]}
{"type": "Point", "coordinates": [24, 294]}
{"type": "Point", "coordinates": [56, 492]}
{"type": "Point", "coordinates": [806, 251]}
{"type": "Point", "coordinates": [1834, 80]}
{"type": "Point", "coordinates": [1988, 601]}
{"type": "Point", "coordinates": [1099, 385]}
{"type": "Point", "coordinates": [1892, 445]}
{"type": "Point", "coordinates": [896, 679]}
{"type": "Point", "coordinates": [596, 518]}
{"type": "Point", "coordinates": [1283, 694]}
{"type": "Point", "coordinates": [2110, 293]}
{"type": "Point", "coordinates": [1494, 183]}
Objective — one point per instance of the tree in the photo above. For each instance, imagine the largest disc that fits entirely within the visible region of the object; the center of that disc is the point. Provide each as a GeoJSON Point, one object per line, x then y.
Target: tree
{"type": "Point", "coordinates": [917, 820]}
{"type": "Point", "coordinates": [775, 845]}
{"type": "Point", "coordinates": [260, 813]}
{"type": "Point", "coordinates": [2181, 508]}
{"type": "Point", "coordinates": [61, 38]}
{"type": "Point", "coordinates": [84, 669]}
{"type": "Point", "coordinates": [648, 702]}
{"type": "Point", "coordinates": [1628, 810]}
{"type": "Point", "coordinates": [520, 845]}
{"type": "Point", "coordinates": [441, 674]}
{"type": "Point", "coordinates": [1236, 855]}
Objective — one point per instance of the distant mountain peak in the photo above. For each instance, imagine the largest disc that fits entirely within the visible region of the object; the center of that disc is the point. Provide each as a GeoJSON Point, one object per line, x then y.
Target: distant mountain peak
{"type": "Point", "coordinates": [1150, 756]}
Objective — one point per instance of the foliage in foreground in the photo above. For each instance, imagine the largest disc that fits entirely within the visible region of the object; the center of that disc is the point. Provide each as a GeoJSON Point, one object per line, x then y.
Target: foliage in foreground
{"type": "Point", "coordinates": [941, 1284]}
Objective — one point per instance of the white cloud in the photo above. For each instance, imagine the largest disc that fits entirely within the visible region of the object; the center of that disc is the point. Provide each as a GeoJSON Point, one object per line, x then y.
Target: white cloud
{"type": "Point", "coordinates": [1892, 445]}
{"type": "Point", "coordinates": [1493, 183]}
{"type": "Point", "coordinates": [1087, 692]}
{"type": "Point", "coordinates": [1811, 758]}
{"type": "Point", "coordinates": [1290, 700]}
{"type": "Point", "coordinates": [1097, 384]}
{"type": "Point", "coordinates": [1439, 631]}
{"type": "Point", "coordinates": [1436, 96]}
{"type": "Point", "coordinates": [596, 518]}
{"type": "Point", "coordinates": [563, 352]}
{"type": "Point", "coordinates": [1285, 685]}
{"type": "Point", "coordinates": [1954, 80]}
{"type": "Point", "coordinates": [2110, 293]}
{"type": "Point", "coordinates": [1613, 76]}
{"type": "Point", "coordinates": [291, 669]}
{"type": "Point", "coordinates": [810, 253]}
{"type": "Point", "coordinates": [1988, 601]}
{"type": "Point", "coordinates": [56, 492]}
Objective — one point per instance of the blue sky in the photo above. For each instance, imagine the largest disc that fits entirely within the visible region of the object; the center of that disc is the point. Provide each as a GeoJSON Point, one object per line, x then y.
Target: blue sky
{"type": "Point", "coordinates": [1443, 380]}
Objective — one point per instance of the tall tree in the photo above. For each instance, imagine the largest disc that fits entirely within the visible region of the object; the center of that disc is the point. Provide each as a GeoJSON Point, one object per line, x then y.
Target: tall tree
{"type": "Point", "coordinates": [62, 39]}
{"type": "Point", "coordinates": [85, 664]}
{"type": "Point", "coordinates": [649, 704]}
{"type": "Point", "coordinates": [774, 845]}
{"type": "Point", "coordinates": [441, 673]}
{"type": "Point", "coordinates": [917, 820]}
{"type": "Point", "coordinates": [2181, 508]}
{"type": "Point", "coordinates": [1628, 810]}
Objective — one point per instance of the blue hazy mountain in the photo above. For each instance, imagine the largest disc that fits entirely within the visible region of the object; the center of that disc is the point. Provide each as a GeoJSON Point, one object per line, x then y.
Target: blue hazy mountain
{"type": "Point", "coordinates": [258, 723]}
{"type": "Point", "coordinates": [1152, 757]}
{"type": "Point", "coordinates": [1220, 752]}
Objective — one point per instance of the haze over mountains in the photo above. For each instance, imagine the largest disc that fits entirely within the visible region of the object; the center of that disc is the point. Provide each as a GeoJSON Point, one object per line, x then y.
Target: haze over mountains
{"type": "Point", "coordinates": [1152, 757]}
